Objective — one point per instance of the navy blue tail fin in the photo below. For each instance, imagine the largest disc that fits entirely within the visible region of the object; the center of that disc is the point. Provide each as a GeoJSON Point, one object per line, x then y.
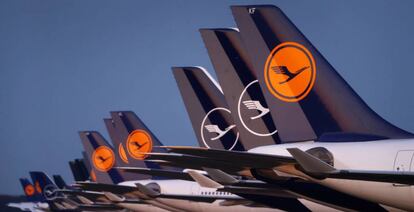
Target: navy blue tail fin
{"type": "Point", "coordinates": [83, 168]}
{"type": "Point", "coordinates": [60, 183]}
{"type": "Point", "coordinates": [44, 185]}
{"type": "Point", "coordinates": [30, 191]}
{"type": "Point", "coordinates": [240, 87]}
{"type": "Point", "coordinates": [132, 136]}
{"type": "Point", "coordinates": [207, 108]}
{"type": "Point", "coordinates": [85, 165]}
{"type": "Point", "coordinates": [307, 98]}
{"type": "Point", "coordinates": [77, 175]}
{"type": "Point", "coordinates": [102, 158]}
{"type": "Point", "coordinates": [121, 152]}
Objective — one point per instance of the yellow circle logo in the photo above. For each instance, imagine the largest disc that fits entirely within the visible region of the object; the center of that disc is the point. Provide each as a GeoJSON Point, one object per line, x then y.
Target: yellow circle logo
{"type": "Point", "coordinates": [122, 153]}
{"type": "Point", "coordinates": [38, 188]}
{"type": "Point", "coordinates": [290, 72]}
{"type": "Point", "coordinates": [138, 143]}
{"type": "Point", "coordinates": [103, 158]}
{"type": "Point", "coordinates": [93, 176]}
{"type": "Point", "coordinates": [29, 190]}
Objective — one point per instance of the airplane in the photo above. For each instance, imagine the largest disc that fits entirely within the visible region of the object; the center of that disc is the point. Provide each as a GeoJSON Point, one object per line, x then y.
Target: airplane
{"type": "Point", "coordinates": [315, 134]}
{"type": "Point", "coordinates": [173, 194]}
{"type": "Point", "coordinates": [325, 137]}
{"type": "Point", "coordinates": [344, 126]}
{"type": "Point", "coordinates": [231, 64]}
{"type": "Point", "coordinates": [68, 200]}
{"type": "Point", "coordinates": [33, 197]}
{"type": "Point", "coordinates": [224, 46]}
{"type": "Point", "coordinates": [302, 190]}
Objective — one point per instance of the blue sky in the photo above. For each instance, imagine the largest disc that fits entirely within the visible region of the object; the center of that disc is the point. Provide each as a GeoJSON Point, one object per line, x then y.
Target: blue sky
{"type": "Point", "coordinates": [65, 64]}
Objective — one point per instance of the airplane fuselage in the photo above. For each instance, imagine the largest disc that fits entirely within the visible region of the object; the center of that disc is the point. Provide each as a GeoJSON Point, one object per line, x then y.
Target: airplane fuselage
{"type": "Point", "coordinates": [383, 155]}
{"type": "Point", "coordinates": [183, 187]}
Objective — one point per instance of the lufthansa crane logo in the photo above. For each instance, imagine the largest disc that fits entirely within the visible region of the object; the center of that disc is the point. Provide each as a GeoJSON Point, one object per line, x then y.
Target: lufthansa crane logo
{"type": "Point", "coordinates": [38, 188]}
{"type": "Point", "coordinates": [29, 190]}
{"type": "Point", "coordinates": [93, 176]}
{"type": "Point", "coordinates": [290, 72]}
{"type": "Point", "coordinates": [213, 133]}
{"type": "Point", "coordinates": [138, 143]}
{"type": "Point", "coordinates": [251, 111]}
{"type": "Point", "coordinates": [122, 153]}
{"type": "Point", "coordinates": [50, 192]}
{"type": "Point", "coordinates": [103, 158]}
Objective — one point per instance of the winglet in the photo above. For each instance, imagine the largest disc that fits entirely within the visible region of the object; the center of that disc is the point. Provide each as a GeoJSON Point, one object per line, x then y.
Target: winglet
{"type": "Point", "coordinates": [85, 200]}
{"type": "Point", "coordinates": [113, 198]}
{"type": "Point", "coordinates": [311, 164]}
{"type": "Point", "coordinates": [203, 180]}
{"type": "Point", "coordinates": [147, 191]}
{"type": "Point", "coordinates": [220, 176]}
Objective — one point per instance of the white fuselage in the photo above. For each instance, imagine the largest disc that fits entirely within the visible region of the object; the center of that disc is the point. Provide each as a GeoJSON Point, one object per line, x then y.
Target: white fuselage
{"type": "Point", "coordinates": [383, 155]}
{"type": "Point", "coordinates": [30, 206]}
{"type": "Point", "coordinates": [183, 187]}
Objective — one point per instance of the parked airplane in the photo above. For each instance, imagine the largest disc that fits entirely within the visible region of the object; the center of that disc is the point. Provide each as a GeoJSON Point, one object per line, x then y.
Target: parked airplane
{"type": "Point", "coordinates": [33, 196]}
{"type": "Point", "coordinates": [317, 106]}
{"type": "Point", "coordinates": [169, 194]}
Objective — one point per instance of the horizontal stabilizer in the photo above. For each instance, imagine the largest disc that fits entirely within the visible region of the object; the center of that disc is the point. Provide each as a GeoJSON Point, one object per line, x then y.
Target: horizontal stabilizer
{"type": "Point", "coordinates": [220, 176]}
{"type": "Point", "coordinates": [113, 197]}
{"type": "Point", "coordinates": [249, 159]}
{"type": "Point", "coordinates": [203, 180]}
{"type": "Point", "coordinates": [235, 202]}
{"type": "Point", "coordinates": [117, 189]}
{"type": "Point", "coordinates": [198, 198]}
{"type": "Point", "coordinates": [59, 206]}
{"type": "Point", "coordinates": [84, 200]}
{"type": "Point", "coordinates": [196, 162]}
{"type": "Point", "coordinates": [157, 172]}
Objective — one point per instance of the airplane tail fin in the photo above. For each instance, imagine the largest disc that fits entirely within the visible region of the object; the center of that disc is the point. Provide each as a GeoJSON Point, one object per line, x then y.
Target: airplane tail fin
{"type": "Point", "coordinates": [77, 176]}
{"type": "Point", "coordinates": [308, 99]}
{"type": "Point", "coordinates": [113, 134]}
{"type": "Point", "coordinates": [79, 169]}
{"type": "Point", "coordinates": [240, 87]}
{"type": "Point", "coordinates": [134, 139]}
{"type": "Point", "coordinates": [61, 184]}
{"type": "Point", "coordinates": [102, 158]}
{"type": "Point", "coordinates": [44, 185]}
{"type": "Point", "coordinates": [29, 190]}
{"type": "Point", "coordinates": [129, 125]}
{"type": "Point", "coordinates": [86, 167]}
{"type": "Point", "coordinates": [210, 116]}
{"type": "Point", "coordinates": [121, 151]}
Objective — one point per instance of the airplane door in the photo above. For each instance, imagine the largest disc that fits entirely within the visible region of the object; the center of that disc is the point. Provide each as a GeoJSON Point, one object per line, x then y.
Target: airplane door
{"type": "Point", "coordinates": [403, 162]}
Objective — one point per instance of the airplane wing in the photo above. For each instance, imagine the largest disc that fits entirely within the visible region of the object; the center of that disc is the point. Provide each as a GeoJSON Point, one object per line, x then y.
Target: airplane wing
{"type": "Point", "coordinates": [86, 194]}
{"type": "Point", "coordinates": [320, 170]}
{"type": "Point", "coordinates": [244, 159]}
{"type": "Point", "coordinates": [118, 189]}
{"type": "Point", "coordinates": [157, 172]}
{"type": "Point", "coordinates": [293, 188]}
{"type": "Point", "coordinates": [195, 162]}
